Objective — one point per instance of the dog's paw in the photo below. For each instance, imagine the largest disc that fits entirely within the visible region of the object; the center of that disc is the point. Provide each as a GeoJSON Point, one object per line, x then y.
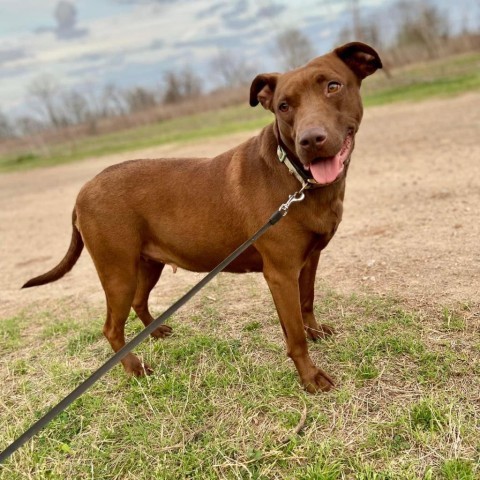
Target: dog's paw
{"type": "Point", "coordinates": [133, 366]}
{"type": "Point", "coordinates": [162, 331]}
{"type": "Point", "coordinates": [319, 382]}
{"type": "Point", "coordinates": [321, 332]}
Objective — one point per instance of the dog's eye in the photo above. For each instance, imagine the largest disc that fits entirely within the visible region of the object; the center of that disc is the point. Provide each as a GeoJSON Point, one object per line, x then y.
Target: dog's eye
{"type": "Point", "coordinates": [333, 87]}
{"type": "Point", "coordinates": [283, 107]}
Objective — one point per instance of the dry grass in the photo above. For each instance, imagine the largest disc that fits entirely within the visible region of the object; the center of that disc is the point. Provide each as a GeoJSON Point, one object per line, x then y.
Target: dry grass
{"type": "Point", "coordinates": [72, 135]}
{"type": "Point", "coordinates": [224, 401]}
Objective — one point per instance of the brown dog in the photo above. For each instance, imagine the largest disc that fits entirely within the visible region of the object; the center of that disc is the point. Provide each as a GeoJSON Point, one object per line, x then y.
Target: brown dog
{"type": "Point", "coordinates": [138, 216]}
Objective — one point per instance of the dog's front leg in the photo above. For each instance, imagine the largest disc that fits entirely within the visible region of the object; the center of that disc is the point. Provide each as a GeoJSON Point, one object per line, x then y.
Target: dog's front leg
{"type": "Point", "coordinates": [314, 330]}
{"type": "Point", "coordinates": [283, 284]}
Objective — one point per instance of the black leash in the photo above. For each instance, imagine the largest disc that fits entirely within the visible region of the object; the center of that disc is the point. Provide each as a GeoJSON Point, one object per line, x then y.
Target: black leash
{"type": "Point", "coordinates": [112, 361]}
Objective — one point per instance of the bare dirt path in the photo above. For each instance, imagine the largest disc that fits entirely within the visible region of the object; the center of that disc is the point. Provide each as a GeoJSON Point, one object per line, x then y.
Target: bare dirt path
{"type": "Point", "coordinates": [411, 225]}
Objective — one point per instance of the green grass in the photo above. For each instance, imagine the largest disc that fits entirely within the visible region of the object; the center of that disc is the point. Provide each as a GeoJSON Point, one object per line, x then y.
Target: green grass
{"type": "Point", "coordinates": [421, 90]}
{"type": "Point", "coordinates": [458, 469]}
{"type": "Point", "coordinates": [224, 400]}
{"type": "Point", "coordinates": [426, 416]}
{"type": "Point", "coordinates": [441, 78]}
{"type": "Point", "coordinates": [444, 78]}
{"type": "Point", "coordinates": [179, 130]}
{"type": "Point", "coordinates": [10, 334]}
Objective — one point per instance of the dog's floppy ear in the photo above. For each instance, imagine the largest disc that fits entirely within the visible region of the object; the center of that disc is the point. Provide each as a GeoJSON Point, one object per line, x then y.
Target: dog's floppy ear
{"type": "Point", "coordinates": [362, 59]}
{"type": "Point", "coordinates": [262, 89]}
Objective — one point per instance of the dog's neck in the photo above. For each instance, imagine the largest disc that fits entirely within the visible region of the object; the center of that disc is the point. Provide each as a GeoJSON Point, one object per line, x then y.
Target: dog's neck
{"type": "Point", "coordinates": [291, 161]}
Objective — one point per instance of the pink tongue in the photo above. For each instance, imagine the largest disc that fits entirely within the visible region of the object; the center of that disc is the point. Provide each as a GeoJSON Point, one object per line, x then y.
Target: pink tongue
{"type": "Point", "coordinates": [327, 170]}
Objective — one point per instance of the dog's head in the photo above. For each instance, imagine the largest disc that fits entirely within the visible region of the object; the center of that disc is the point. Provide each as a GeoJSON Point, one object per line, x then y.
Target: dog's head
{"type": "Point", "coordinates": [318, 108]}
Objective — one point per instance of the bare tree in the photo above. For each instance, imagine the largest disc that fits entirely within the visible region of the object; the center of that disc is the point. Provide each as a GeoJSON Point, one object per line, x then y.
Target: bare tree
{"type": "Point", "coordinates": [181, 85]}
{"type": "Point", "coordinates": [345, 35]}
{"type": "Point", "coordinates": [231, 70]}
{"type": "Point", "coordinates": [421, 25]}
{"type": "Point", "coordinates": [191, 83]}
{"type": "Point", "coordinates": [371, 32]}
{"type": "Point", "coordinates": [75, 107]}
{"type": "Point", "coordinates": [140, 98]}
{"type": "Point", "coordinates": [357, 28]}
{"type": "Point", "coordinates": [44, 92]}
{"type": "Point", "coordinates": [173, 88]}
{"type": "Point", "coordinates": [27, 125]}
{"type": "Point", "coordinates": [293, 48]}
{"type": "Point", "coordinates": [112, 101]}
{"type": "Point", "coordinates": [6, 128]}
{"type": "Point", "coordinates": [362, 29]}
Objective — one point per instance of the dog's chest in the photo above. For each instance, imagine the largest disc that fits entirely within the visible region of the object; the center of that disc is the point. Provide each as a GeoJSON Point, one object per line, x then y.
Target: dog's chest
{"type": "Point", "coordinates": [324, 218]}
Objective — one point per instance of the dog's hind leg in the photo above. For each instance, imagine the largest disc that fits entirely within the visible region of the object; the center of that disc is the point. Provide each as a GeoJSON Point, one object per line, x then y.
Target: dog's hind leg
{"type": "Point", "coordinates": [314, 330]}
{"type": "Point", "coordinates": [120, 286]}
{"type": "Point", "coordinates": [148, 274]}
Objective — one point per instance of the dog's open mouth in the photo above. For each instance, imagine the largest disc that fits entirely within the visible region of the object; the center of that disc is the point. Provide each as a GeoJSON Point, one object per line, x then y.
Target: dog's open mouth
{"type": "Point", "coordinates": [325, 170]}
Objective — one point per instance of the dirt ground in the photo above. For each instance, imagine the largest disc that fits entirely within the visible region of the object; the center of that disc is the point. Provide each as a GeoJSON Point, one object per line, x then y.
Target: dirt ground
{"type": "Point", "coordinates": [411, 225]}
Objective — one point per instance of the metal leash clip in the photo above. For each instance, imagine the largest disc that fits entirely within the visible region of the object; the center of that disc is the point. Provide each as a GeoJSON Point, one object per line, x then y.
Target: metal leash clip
{"type": "Point", "coordinates": [295, 197]}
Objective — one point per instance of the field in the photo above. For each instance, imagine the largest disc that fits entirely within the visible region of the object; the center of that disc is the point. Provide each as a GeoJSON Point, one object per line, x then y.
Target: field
{"type": "Point", "coordinates": [444, 77]}
{"type": "Point", "coordinates": [400, 283]}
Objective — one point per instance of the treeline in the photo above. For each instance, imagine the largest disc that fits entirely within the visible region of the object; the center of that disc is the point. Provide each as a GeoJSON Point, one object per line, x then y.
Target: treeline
{"type": "Point", "coordinates": [54, 107]}
{"type": "Point", "coordinates": [57, 108]}
{"type": "Point", "coordinates": [421, 31]}
{"type": "Point", "coordinates": [412, 31]}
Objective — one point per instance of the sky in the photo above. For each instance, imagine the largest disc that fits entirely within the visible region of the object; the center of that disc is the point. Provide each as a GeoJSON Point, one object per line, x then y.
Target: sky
{"type": "Point", "coordinates": [87, 44]}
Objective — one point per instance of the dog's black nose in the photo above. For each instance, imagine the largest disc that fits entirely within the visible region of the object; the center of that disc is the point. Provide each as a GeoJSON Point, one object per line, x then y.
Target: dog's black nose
{"type": "Point", "coordinates": [312, 138]}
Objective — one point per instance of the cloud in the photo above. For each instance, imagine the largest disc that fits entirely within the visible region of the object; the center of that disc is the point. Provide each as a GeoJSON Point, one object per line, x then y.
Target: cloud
{"type": "Point", "coordinates": [15, 72]}
{"type": "Point", "coordinates": [91, 57]}
{"type": "Point", "coordinates": [271, 10]}
{"type": "Point", "coordinates": [157, 44]}
{"type": "Point", "coordinates": [9, 55]}
{"type": "Point", "coordinates": [145, 2]}
{"type": "Point", "coordinates": [239, 7]}
{"type": "Point", "coordinates": [65, 14]}
{"type": "Point", "coordinates": [211, 10]}
{"type": "Point", "coordinates": [226, 41]}
{"type": "Point", "coordinates": [238, 16]}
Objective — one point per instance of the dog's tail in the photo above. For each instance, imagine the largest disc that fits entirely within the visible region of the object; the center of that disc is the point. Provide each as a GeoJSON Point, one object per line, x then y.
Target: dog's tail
{"type": "Point", "coordinates": [66, 264]}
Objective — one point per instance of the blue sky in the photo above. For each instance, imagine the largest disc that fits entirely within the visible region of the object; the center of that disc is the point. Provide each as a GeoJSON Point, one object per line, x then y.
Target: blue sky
{"type": "Point", "coordinates": [89, 43]}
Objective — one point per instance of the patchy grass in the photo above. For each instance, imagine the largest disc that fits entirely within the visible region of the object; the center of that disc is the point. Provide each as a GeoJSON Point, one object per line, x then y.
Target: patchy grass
{"type": "Point", "coordinates": [224, 401]}
{"type": "Point", "coordinates": [416, 90]}
{"type": "Point", "coordinates": [11, 330]}
{"type": "Point", "coordinates": [417, 82]}
{"type": "Point", "coordinates": [178, 130]}
{"type": "Point", "coordinates": [450, 76]}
